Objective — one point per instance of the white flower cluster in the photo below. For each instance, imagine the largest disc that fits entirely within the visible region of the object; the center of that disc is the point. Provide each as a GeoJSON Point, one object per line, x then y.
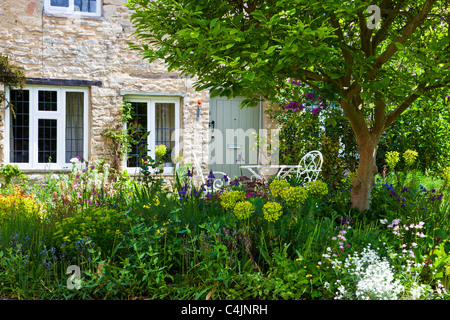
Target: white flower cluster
{"type": "Point", "coordinates": [366, 276]}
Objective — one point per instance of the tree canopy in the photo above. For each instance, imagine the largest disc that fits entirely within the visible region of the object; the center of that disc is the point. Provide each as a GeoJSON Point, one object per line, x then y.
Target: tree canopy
{"type": "Point", "coordinates": [250, 48]}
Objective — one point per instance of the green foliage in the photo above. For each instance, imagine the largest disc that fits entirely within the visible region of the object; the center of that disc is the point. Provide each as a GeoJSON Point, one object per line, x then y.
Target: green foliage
{"type": "Point", "coordinates": [12, 173]}
{"type": "Point", "coordinates": [11, 76]}
{"type": "Point", "coordinates": [103, 227]}
{"type": "Point", "coordinates": [18, 203]}
{"type": "Point", "coordinates": [251, 50]}
{"type": "Point", "coordinates": [427, 134]}
{"type": "Point", "coordinates": [116, 137]}
{"type": "Point", "coordinates": [193, 243]}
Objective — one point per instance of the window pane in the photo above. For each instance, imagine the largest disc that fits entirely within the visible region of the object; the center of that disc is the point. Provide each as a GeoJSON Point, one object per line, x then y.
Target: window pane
{"type": "Point", "coordinates": [85, 5]}
{"type": "Point", "coordinates": [20, 126]}
{"type": "Point", "coordinates": [140, 122]}
{"type": "Point", "coordinates": [74, 125]}
{"type": "Point", "coordinates": [47, 140]}
{"type": "Point", "coordinates": [47, 101]}
{"type": "Point", "coordinates": [165, 126]}
{"type": "Point", "coordinates": [60, 3]}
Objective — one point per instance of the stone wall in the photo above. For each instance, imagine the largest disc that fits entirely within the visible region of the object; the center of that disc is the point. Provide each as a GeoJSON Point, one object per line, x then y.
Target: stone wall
{"type": "Point", "coordinates": [92, 48]}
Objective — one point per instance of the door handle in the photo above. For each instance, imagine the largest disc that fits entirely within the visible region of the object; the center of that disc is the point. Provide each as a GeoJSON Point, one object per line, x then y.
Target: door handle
{"type": "Point", "coordinates": [211, 124]}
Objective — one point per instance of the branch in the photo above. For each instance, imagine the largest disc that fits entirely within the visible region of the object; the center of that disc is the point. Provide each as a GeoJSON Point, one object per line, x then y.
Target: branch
{"type": "Point", "coordinates": [380, 106]}
{"type": "Point", "coordinates": [309, 75]}
{"type": "Point", "coordinates": [387, 22]}
{"type": "Point", "coordinates": [345, 52]}
{"type": "Point", "coordinates": [355, 117]}
{"type": "Point", "coordinates": [408, 30]}
{"type": "Point", "coordinates": [403, 106]}
{"type": "Point", "coordinates": [365, 34]}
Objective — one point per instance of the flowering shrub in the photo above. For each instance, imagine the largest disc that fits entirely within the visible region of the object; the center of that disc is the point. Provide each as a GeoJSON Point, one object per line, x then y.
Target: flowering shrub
{"type": "Point", "coordinates": [392, 158]}
{"type": "Point", "coordinates": [366, 276]}
{"type": "Point", "coordinates": [446, 173]}
{"type": "Point", "coordinates": [103, 227]}
{"type": "Point", "coordinates": [230, 198]}
{"type": "Point", "coordinates": [272, 211]}
{"type": "Point", "coordinates": [160, 150]}
{"type": "Point", "coordinates": [243, 210]}
{"type": "Point", "coordinates": [345, 226]}
{"type": "Point", "coordinates": [410, 157]}
{"type": "Point", "coordinates": [277, 187]}
{"type": "Point", "coordinates": [407, 235]}
{"type": "Point", "coordinates": [20, 203]}
{"type": "Point", "coordinates": [317, 188]}
{"type": "Point", "coordinates": [294, 196]}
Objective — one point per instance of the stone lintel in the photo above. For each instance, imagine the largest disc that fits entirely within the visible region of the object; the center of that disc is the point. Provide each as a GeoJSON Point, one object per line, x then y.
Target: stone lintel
{"type": "Point", "coordinates": [64, 82]}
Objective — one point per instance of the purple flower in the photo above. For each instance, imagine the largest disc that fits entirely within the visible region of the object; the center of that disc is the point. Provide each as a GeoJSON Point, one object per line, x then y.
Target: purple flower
{"type": "Point", "coordinates": [292, 105]}
{"type": "Point", "coordinates": [315, 111]}
{"type": "Point", "coordinates": [189, 173]}
{"type": "Point", "coordinates": [92, 167]}
{"type": "Point", "coordinates": [296, 82]}
{"type": "Point", "coordinates": [309, 96]}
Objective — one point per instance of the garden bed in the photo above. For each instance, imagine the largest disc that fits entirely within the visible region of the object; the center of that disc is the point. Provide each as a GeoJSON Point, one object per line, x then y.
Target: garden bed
{"type": "Point", "coordinates": [284, 240]}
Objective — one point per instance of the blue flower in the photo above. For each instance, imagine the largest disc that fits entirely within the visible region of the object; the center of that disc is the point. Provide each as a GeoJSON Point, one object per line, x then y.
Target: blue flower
{"type": "Point", "coordinates": [235, 182]}
{"type": "Point", "coordinates": [189, 173]}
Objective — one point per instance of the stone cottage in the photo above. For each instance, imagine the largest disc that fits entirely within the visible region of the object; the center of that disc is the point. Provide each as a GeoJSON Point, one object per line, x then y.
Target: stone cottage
{"type": "Point", "coordinates": [80, 70]}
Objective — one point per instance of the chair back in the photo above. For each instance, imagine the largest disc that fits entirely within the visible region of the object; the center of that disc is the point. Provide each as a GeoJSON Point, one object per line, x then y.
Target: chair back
{"type": "Point", "coordinates": [310, 166]}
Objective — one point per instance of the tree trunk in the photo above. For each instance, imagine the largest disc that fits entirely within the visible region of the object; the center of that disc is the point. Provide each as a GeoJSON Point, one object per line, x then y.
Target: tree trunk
{"type": "Point", "coordinates": [365, 174]}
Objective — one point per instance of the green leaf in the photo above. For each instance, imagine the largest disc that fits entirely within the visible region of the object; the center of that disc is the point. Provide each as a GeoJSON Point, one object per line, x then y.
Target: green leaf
{"type": "Point", "coordinates": [250, 76]}
{"type": "Point", "coordinates": [194, 34]}
{"type": "Point", "coordinates": [399, 46]}
{"type": "Point", "coordinates": [213, 23]}
{"type": "Point", "coordinates": [271, 49]}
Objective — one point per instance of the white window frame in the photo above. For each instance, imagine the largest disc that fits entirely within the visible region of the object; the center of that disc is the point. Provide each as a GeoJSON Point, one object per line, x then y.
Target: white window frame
{"type": "Point", "coordinates": [151, 139]}
{"type": "Point", "coordinates": [60, 116]}
{"type": "Point", "coordinates": [70, 10]}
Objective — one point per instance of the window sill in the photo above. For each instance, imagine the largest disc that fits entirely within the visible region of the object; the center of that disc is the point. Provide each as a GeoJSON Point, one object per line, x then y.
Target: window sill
{"type": "Point", "coordinates": [73, 15]}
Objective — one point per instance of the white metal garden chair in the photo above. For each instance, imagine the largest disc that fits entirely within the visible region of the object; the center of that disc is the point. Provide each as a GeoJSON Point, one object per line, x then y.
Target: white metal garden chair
{"type": "Point", "coordinates": [309, 167]}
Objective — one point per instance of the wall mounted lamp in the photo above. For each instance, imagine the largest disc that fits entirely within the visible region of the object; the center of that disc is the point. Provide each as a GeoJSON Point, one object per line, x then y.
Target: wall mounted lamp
{"type": "Point", "coordinates": [199, 104]}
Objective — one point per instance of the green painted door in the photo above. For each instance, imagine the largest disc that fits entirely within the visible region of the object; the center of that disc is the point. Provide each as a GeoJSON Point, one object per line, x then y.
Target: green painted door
{"type": "Point", "coordinates": [232, 136]}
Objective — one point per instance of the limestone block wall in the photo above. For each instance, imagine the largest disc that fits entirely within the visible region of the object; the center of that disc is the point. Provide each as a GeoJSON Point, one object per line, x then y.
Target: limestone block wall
{"type": "Point", "coordinates": [93, 48]}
